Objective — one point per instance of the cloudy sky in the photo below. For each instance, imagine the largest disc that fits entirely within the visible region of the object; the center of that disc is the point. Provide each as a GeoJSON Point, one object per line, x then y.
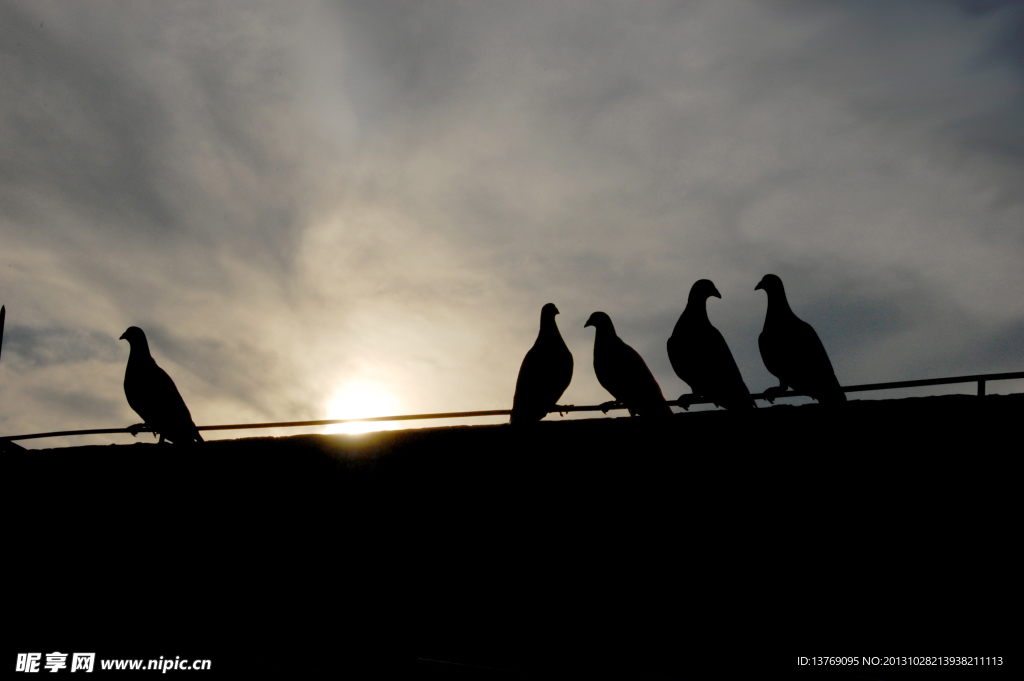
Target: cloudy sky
{"type": "Point", "coordinates": [306, 205]}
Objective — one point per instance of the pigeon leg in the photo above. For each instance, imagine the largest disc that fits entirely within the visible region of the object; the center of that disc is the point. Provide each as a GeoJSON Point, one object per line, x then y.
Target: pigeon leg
{"type": "Point", "coordinates": [609, 405]}
{"type": "Point", "coordinates": [136, 428]}
{"type": "Point", "coordinates": [687, 400]}
{"type": "Point", "coordinates": [771, 393]}
{"type": "Point", "coordinates": [563, 409]}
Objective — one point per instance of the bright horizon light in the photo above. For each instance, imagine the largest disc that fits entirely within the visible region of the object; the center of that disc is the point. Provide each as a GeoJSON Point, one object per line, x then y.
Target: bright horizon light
{"type": "Point", "coordinates": [361, 399]}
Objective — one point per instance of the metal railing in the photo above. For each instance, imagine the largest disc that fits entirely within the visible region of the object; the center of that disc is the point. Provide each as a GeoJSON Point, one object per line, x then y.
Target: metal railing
{"type": "Point", "coordinates": [980, 379]}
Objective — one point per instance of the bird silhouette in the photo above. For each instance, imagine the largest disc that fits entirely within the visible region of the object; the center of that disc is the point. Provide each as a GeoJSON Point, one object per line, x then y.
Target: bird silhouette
{"type": "Point", "coordinates": [152, 394]}
{"type": "Point", "coordinates": [622, 371]}
{"type": "Point", "coordinates": [792, 351]}
{"type": "Point", "coordinates": [701, 357]}
{"type": "Point", "coordinates": [545, 373]}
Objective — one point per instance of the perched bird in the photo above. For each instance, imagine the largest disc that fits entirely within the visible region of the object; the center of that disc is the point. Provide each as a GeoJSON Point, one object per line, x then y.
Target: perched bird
{"type": "Point", "coordinates": [152, 394]}
{"type": "Point", "coordinates": [545, 373]}
{"type": "Point", "coordinates": [621, 371]}
{"type": "Point", "coordinates": [792, 350]}
{"type": "Point", "coordinates": [701, 357]}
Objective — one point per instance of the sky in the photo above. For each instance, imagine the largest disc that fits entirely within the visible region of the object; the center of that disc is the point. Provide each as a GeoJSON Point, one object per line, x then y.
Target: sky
{"type": "Point", "coordinates": [318, 208]}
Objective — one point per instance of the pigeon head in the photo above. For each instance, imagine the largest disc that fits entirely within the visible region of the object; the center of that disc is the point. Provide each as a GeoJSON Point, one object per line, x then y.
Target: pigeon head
{"type": "Point", "coordinates": [548, 311]}
{"type": "Point", "coordinates": [770, 284]}
{"type": "Point", "coordinates": [703, 289]}
{"type": "Point", "coordinates": [600, 321]}
{"type": "Point", "coordinates": [135, 337]}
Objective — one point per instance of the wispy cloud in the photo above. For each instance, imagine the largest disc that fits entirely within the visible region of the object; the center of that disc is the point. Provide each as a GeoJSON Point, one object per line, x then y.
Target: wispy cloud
{"type": "Point", "coordinates": [287, 199]}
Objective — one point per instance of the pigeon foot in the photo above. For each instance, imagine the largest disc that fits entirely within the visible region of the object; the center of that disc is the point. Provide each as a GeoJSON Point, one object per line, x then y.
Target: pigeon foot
{"type": "Point", "coordinates": [771, 393]}
{"type": "Point", "coordinates": [687, 400]}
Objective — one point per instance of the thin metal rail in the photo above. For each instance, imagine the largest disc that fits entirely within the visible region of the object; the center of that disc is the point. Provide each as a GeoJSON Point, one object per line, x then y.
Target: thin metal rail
{"type": "Point", "coordinates": [980, 379]}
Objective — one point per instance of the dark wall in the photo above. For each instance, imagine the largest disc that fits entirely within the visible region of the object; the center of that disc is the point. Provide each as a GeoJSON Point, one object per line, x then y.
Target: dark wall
{"type": "Point", "coordinates": [712, 542]}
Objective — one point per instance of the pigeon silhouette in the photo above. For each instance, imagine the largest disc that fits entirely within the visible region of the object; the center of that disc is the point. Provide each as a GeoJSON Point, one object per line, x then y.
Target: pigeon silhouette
{"type": "Point", "coordinates": [701, 357]}
{"type": "Point", "coordinates": [545, 373]}
{"type": "Point", "coordinates": [152, 394]}
{"type": "Point", "coordinates": [622, 371]}
{"type": "Point", "coordinates": [792, 351]}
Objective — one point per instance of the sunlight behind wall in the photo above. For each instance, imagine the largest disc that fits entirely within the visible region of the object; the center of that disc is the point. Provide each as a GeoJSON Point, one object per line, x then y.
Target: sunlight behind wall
{"type": "Point", "coordinates": [357, 399]}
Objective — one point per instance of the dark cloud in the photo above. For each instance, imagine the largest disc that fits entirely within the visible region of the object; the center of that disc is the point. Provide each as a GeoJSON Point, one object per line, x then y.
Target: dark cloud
{"type": "Point", "coordinates": [78, 405]}
{"type": "Point", "coordinates": [1008, 41]}
{"type": "Point", "coordinates": [157, 128]}
{"type": "Point", "coordinates": [90, 137]}
{"type": "Point", "coordinates": [30, 347]}
{"type": "Point", "coordinates": [985, 350]}
{"type": "Point", "coordinates": [236, 370]}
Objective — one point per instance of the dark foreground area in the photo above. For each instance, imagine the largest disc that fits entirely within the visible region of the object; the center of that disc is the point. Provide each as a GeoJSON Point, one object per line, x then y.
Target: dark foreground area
{"type": "Point", "coordinates": [715, 543]}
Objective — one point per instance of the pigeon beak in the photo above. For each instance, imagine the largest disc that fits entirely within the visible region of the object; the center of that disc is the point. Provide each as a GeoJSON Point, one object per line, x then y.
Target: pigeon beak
{"type": "Point", "coordinates": [122, 336]}
{"type": "Point", "coordinates": [716, 294]}
{"type": "Point", "coordinates": [759, 287]}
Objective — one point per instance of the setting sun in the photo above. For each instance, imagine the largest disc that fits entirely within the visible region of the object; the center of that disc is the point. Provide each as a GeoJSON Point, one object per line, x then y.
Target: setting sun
{"type": "Point", "coordinates": [361, 399]}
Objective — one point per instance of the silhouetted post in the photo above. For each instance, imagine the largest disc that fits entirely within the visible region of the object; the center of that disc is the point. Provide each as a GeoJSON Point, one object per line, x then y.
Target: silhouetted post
{"type": "Point", "coordinates": [981, 388]}
{"type": "Point", "coordinates": [6, 445]}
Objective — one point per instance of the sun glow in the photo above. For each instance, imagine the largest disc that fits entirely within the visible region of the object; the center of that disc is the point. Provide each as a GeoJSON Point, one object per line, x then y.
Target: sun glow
{"type": "Point", "coordinates": [359, 399]}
